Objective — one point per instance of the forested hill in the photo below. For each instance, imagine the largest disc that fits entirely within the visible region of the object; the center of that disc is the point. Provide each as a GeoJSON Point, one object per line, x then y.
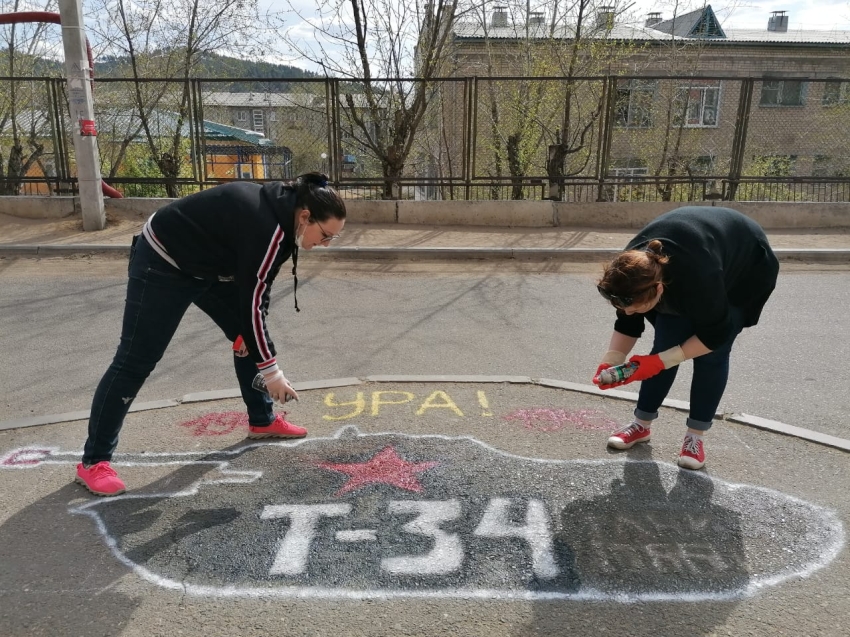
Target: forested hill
{"type": "Point", "coordinates": [220, 66]}
{"type": "Point", "coordinates": [210, 65]}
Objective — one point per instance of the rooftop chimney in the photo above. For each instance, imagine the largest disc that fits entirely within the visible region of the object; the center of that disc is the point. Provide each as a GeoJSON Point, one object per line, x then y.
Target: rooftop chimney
{"type": "Point", "coordinates": [652, 19]}
{"type": "Point", "coordinates": [499, 17]}
{"type": "Point", "coordinates": [535, 18]}
{"type": "Point", "coordinates": [605, 18]}
{"type": "Point", "coordinates": [777, 22]}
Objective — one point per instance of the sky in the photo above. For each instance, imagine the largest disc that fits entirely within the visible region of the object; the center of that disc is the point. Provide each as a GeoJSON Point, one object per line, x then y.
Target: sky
{"type": "Point", "coordinates": [802, 14]}
{"type": "Point", "coordinates": [741, 14]}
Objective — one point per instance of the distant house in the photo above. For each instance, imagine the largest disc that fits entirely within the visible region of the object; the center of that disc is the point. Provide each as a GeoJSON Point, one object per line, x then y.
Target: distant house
{"type": "Point", "coordinates": [298, 120]}
{"type": "Point", "coordinates": [228, 152]}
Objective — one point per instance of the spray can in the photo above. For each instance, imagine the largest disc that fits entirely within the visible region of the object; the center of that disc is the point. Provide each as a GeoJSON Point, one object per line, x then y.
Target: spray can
{"type": "Point", "coordinates": [611, 375]}
{"type": "Point", "coordinates": [259, 384]}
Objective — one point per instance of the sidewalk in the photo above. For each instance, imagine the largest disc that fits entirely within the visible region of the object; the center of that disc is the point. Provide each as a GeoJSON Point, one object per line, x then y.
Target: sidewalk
{"type": "Point", "coordinates": [65, 236]}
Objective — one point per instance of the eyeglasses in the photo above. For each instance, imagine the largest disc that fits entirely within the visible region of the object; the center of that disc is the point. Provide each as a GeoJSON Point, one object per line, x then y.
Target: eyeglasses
{"type": "Point", "coordinates": [618, 301]}
{"type": "Point", "coordinates": [326, 236]}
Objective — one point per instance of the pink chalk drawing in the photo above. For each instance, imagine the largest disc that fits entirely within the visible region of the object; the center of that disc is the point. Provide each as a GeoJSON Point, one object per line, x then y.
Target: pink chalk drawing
{"type": "Point", "coordinates": [29, 457]}
{"type": "Point", "coordinates": [217, 423]}
{"type": "Point", "coordinates": [548, 420]}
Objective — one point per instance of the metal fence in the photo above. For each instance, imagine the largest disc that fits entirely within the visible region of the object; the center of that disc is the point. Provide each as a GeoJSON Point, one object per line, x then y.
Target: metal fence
{"type": "Point", "coordinates": [615, 138]}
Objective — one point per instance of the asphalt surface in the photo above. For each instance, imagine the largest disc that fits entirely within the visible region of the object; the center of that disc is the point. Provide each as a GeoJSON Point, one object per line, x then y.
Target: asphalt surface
{"type": "Point", "coordinates": [60, 321]}
{"type": "Point", "coordinates": [423, 509]}
{"type": "Point", "coordinates": [420, 508]}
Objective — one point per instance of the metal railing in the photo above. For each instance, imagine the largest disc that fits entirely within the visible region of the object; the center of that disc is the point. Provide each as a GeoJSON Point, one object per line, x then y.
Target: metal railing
{"type": "Point", "coordinates": [584, 139]}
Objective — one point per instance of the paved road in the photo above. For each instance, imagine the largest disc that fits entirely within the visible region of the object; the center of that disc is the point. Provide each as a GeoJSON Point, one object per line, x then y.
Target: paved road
{"type": "Point", "coordinates": [59, 325]}
{"type": "Point", "coordinates": [423, 509]}
{"type": "Point", "coordinates": [420, 508]}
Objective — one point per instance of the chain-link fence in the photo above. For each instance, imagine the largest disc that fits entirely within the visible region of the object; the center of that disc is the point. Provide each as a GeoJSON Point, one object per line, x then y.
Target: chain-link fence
{"type": "Point", "coordinates": [614, 138]}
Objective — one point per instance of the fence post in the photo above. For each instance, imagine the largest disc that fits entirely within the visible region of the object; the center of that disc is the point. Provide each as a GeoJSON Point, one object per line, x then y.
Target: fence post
{"type": "Point", "coordinates": [606, 132]}
{"type": "Point", "coordinates": [57, 124]}
{"type": "Point", "coordinates": [739, 141]}
{"type": "Point", "coordinates": [468, 105]}
{"type": "Point", "coordinates": [196, 127]}
{"type": "Point", "coordinates": [332, 117]}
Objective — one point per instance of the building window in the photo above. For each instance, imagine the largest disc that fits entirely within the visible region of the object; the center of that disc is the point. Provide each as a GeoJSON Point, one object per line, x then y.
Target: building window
{"type": "Point", "coordinates": [702, 165]}
{"type": "Point", "coordinates": [241, 116]}
{"type": "Point", "coordinates": [259, 124]}
{"type": "Point", "coordinates": [629, 185]}
{"type": "Point", "coordinates": [774, 165]}
{"type": "Point", "coordinates": [782, 93]}
{"type": "Point", "coordinates": [828, 166]}
{"type": "Point", "coordinates": [697, 106]}
{"type": "Point", "coordinates": [272, 116]}
{"type": "Point", "coordinates": [634, 103]}
{"type": "Point", "coordinates": [835, 93]}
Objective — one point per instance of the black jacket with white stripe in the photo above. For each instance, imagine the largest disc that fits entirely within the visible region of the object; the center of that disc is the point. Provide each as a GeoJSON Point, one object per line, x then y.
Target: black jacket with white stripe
{"type": "Point", "coordinates": [240, 232]}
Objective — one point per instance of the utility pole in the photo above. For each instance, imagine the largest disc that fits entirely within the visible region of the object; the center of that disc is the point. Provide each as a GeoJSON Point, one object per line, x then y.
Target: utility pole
{"type": "Point", "coordinates": [79, 75]}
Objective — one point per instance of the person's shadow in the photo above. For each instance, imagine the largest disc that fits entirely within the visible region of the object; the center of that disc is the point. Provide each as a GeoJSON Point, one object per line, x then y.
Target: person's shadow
{"type": "Point", "coordinates": [658, 563]}
{"type": "Point", "coordinates": [57, 576]}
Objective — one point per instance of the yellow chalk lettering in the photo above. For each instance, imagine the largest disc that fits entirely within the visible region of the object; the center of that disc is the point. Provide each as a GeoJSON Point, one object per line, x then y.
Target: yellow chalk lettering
{"type": "Point", "coordinates": [377, 399]}
{"type": "Point", "coordinates": [485, 404]}
{"type": "Point", "coordinates": [358, 403]}
{"type": "Point", "coordinates": [447, 403]}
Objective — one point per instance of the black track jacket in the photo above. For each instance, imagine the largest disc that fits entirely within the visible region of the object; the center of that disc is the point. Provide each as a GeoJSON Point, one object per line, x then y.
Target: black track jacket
{"type": "Point", "coordinates": [718, 258]}
{"type": "Point", "coordinates": [240, 232]}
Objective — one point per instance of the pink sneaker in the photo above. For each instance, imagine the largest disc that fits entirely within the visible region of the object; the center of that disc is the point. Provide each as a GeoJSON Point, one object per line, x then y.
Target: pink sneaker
{"type": "Point", "coordinates": [629, 436]}
{"type": "Point", "coordinates": [280, 428]}
{"type": "Point", "coordinates": [692, 455]}
{"type": "Point", "coordinates": [100, 479]}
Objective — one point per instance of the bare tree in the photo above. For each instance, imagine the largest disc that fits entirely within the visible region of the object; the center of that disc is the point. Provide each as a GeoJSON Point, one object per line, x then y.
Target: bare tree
{"type": "Point", "coordinates": [379, 47]}
{"type": "Point", "coordinates": [536, 124]}
{"type": "Point", "coordinates": [167, 40]}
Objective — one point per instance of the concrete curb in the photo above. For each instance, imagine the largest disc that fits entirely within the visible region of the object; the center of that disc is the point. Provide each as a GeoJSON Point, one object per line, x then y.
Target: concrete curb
{"type": "Point", "coordinates": [679, 405]}
{"type": "Point", "coordinates": [577, 255]}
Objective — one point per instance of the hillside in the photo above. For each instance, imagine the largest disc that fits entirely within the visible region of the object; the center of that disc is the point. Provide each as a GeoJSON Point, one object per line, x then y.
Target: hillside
{"type": "Point", "coordinates": [221, 66]}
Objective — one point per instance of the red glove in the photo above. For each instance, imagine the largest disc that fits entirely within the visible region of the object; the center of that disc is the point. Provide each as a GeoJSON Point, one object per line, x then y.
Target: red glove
{"type": "Point", "coordinates": [648, 366]}
{"type": "Point", "coordinates": [595, 379]}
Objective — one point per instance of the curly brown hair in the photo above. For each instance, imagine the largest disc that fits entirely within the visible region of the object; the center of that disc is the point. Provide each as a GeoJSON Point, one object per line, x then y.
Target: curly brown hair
{"type": "Point", "coordinates": [634, 275]}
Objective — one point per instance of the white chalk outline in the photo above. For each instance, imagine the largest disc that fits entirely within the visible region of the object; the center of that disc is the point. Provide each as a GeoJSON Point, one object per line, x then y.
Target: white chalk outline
{"type": "Point", "coordinates": [832, 525]}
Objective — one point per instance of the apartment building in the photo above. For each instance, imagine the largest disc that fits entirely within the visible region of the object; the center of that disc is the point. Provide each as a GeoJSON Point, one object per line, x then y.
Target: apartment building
{"type": "Point", "coordinates": [691, 96]}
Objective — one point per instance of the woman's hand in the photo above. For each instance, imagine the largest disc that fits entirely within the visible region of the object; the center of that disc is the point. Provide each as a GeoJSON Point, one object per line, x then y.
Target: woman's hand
{"type": "Point", "coordinates": [278, 387]}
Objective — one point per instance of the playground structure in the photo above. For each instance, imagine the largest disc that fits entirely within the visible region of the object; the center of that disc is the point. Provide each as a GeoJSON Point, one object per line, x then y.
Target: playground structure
{"type": "Point", "coordinates": [79, 64]}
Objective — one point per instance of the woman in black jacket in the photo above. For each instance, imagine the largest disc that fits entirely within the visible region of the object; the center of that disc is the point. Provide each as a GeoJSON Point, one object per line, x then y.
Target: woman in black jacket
{"type": "Point", "coordinates": [220, 249]}
{"type": "Point", "coordinates": [699, 275]}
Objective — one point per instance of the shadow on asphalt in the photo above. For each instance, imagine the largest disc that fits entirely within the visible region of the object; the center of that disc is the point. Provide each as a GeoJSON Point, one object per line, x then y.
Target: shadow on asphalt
{"type": "Point", "coordinates": [677, 558]}
{"type": "Point", "coordinates": [56, 573]}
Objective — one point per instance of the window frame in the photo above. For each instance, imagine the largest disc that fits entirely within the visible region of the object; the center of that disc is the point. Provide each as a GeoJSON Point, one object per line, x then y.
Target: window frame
{"type": "Point", "coordinates": [780, 91]}
{"type": "Point", "coordinates": [842, 96]}
{"type": "Point", "coordinates": [684, 91]}
{"type": "Point", "coordinates": [635, 87]}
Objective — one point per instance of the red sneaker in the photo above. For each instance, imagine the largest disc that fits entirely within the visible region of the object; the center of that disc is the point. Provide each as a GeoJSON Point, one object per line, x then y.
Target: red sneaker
{"type": "Point", "coordinates": [280, 428]}
{"type": "Point", "coordinates": [100, 479]}
{"type": "Point", "coordinates": [692, 455]}
{"type": "Point", "coordinates": [629, 436]}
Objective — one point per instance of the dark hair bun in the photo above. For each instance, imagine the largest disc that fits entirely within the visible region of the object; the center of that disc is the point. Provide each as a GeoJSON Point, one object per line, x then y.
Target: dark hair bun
{"type": "Point", "coordinates": [655, 250]}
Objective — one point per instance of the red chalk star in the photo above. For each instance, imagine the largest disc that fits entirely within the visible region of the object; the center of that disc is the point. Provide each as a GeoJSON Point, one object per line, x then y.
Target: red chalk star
{"type": "Point", "coordinates": [385, 467]}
